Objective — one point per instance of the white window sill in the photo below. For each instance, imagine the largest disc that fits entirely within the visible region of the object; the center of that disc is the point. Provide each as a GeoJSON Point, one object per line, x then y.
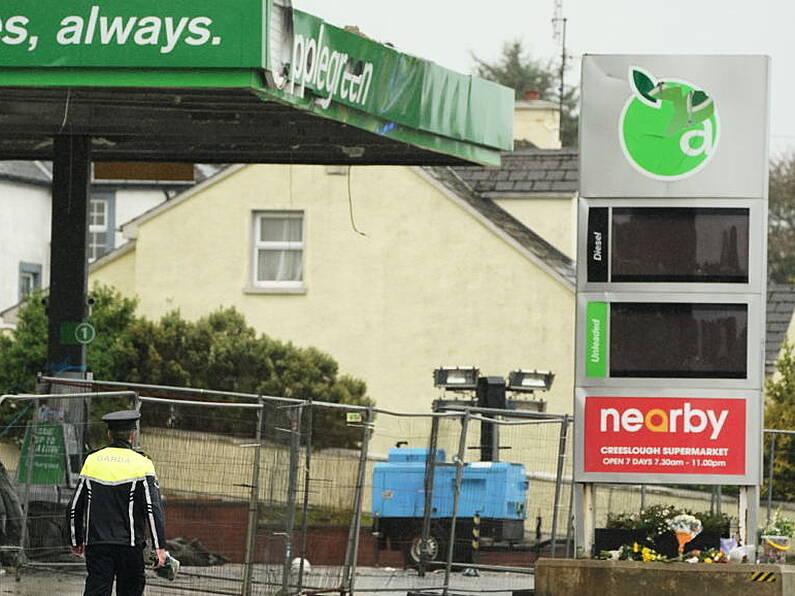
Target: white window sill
{"type": "Point", "coordinates": [274, 290]}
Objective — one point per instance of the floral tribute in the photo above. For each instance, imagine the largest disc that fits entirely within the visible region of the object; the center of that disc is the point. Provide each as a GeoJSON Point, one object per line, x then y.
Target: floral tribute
{"type": "Point", "coordinates": [776, 537]}
{"type": "Point", "coordinates": [636, 552]}
{"type": "Point", "coordinates": [685, 527]}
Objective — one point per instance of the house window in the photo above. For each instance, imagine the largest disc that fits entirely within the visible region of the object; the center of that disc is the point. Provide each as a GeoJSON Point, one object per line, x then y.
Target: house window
{"type": "Point", "coordinates": [100, 225]}
{"type": "Point", "coordinates": [278, 249]}
{"type": "Point", "coordinates": [29, 279]}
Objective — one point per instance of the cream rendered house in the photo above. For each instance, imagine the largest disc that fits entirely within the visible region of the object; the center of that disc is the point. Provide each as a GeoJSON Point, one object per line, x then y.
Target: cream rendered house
{"type": "Point", "coordinates": [26, 199]}
{"type": "Point", "coordinates": [392, 270]}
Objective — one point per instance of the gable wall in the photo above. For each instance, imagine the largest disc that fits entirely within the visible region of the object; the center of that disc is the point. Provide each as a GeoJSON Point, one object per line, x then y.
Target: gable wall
{"type": "Point", "coordinates": [554, 219]}
{"type": "Point", "coordinates": [118, 272]}
{"type": "Point", "coordinates": [429, 285]}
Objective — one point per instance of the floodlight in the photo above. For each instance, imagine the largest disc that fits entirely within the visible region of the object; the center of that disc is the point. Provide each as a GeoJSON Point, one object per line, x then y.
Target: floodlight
{"type": "Point", "coordinates": [456, 377]}
{"type": "Point", "coordinates": [530, 380]}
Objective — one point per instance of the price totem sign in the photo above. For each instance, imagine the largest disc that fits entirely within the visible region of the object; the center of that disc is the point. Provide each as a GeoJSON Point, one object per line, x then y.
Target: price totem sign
{"type": "Point", "coordinates": [671, 283]}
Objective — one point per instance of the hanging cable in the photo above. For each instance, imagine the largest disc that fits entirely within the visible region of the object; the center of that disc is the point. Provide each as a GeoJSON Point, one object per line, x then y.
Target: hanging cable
{"type": "Point", "coordinates": [350, 205]}
{"type": "Point", "coordinates": [65, 110]}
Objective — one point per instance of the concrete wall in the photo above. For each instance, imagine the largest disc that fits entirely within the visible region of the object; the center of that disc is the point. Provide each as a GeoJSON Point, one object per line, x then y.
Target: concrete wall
{"type": "Point", "coordinates": [569, 577]}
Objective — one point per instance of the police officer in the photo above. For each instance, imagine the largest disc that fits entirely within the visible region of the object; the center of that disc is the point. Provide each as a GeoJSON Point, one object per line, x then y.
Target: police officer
{"type": "Point", "coordinates": [117, 497]}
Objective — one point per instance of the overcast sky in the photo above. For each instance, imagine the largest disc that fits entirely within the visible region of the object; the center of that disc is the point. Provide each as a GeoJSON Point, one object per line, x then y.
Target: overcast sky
{"type": "Point", "coordinates": [450, 31]}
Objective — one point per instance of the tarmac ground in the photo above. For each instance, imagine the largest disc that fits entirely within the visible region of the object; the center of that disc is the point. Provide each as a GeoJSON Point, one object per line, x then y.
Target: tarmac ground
{"type": "Point", "coordinates": [370, 581]}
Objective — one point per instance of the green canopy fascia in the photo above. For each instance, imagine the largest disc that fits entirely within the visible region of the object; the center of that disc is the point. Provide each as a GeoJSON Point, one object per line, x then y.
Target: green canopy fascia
{"type": "Point", "coordinates": [69, 63]}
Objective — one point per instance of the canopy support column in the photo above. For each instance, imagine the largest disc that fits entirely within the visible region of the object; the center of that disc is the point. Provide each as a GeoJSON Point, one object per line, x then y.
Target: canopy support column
{"type": "Point", "coordinates": [68, 264]}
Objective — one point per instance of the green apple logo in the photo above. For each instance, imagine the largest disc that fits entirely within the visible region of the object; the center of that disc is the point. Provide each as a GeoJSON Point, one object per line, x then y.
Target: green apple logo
{"type": "Point", "coordinates": [668, 129]}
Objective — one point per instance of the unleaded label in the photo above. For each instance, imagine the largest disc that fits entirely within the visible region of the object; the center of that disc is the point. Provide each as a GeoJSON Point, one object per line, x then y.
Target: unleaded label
{"type": "Point", "coordinates": [596, 339]}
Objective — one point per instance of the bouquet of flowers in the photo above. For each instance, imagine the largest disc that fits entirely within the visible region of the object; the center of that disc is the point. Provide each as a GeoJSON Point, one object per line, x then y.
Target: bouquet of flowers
{"type": "Point", "coordinates": [709, 555]}
{"type": "Point", "coordinates": [776, 538]}
{"type": "Point", "coordinates": [686, 527]}
{"type": "Point", "coordinates": [636, 552]}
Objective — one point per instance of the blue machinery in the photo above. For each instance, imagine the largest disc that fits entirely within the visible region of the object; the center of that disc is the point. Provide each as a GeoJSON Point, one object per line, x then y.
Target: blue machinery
{"type": "Point", "coordinates": [492, 503]}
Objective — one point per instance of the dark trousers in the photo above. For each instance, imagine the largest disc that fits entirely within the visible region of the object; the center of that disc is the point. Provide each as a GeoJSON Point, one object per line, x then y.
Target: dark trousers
{"type": "Point", "coordinates": [105, 562]}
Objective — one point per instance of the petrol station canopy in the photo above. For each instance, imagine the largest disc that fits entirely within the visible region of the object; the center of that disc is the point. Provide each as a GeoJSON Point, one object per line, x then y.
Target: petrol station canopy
{"type": "Point", "coordinates": [235, 81]}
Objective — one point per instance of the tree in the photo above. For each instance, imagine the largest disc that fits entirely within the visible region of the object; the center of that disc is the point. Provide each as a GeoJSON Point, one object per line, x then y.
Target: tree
{"type": "Point", "coordinates": [518, 70]}
{"type": "Point", "coordinates": [781, 220]}
{"type": "Point", "coordinates": [780, 415]}
{"type": "Point", "coordinates": [219, 351]}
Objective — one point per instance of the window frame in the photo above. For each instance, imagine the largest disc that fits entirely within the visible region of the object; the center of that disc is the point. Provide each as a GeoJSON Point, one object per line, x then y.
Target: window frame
{"type": "Point", "coordinates": [33, 271]}
{"type": "Point", "coordinates": [257, 245]}
{"type": "Point", "coordinates": [109, 201]}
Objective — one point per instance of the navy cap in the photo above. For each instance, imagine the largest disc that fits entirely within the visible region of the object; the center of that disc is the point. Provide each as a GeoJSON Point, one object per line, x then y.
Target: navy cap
{"type": "Point", "coordinates": [122, 420]}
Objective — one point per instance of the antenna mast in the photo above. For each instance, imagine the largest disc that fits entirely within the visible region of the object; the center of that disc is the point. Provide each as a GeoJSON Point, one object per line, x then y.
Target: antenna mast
{"type": "Point", "coordinates": [559, 35]}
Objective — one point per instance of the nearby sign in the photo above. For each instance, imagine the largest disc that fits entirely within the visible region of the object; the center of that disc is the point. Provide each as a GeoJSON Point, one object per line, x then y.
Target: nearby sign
{"type": "Point", "coordinates": [674, 126]}
{"type": "Point", "coordinates": [664, 435]}
{"type": "Point", "coordinates": [48, 457]}
{"type": "Point", "coordinates": [667, 436]}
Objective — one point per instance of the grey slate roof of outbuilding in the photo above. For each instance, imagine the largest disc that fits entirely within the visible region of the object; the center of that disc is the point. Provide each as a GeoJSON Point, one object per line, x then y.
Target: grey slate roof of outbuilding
{"type": "Point", "coordinates": [29, 172]}
{"type": "Point", "coordinates": [562, 265]}
{"type": "Point", "coordinates": [780, 306]}
{"type": "Point", "coordinates": [526, 172]}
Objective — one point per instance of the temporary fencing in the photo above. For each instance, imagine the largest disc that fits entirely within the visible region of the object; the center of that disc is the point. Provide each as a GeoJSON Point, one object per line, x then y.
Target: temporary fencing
{"type": "Point", "coordinates": [270, 495]}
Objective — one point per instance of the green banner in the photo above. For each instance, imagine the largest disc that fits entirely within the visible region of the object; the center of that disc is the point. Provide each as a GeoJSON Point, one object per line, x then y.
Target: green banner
{"type": "Point", "coordinates": [133, 33]}
{"type": "Point", "coordinates": [48, 457]}
{"type": "Point", "coordinates": [596, 339]}
{"type": "Point", "coordinates": [251, 46]}
{"type": "Point", "coordinates": [337, 69]}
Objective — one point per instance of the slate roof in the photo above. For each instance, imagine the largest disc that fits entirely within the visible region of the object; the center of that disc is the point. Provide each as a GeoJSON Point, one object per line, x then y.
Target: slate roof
{"type": "Point", "coordinates": [780, 306]}
{"type": "Point", "coordinates": [29, 172]}
{"type": "Point", "coordinates": [525, 172]}
{"type": "Point", "coordinates": [562, 265]}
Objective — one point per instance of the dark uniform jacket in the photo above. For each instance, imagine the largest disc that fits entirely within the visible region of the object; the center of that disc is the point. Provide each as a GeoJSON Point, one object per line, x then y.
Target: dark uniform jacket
{"type": "Point", "coordinates": [116, 498]}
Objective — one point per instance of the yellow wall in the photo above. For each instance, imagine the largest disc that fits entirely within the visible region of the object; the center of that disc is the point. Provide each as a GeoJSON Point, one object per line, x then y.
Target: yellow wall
{"type": "Point", "coordinates": [555, 220]}
{"type": "Point", "coordinates": [537, 121]}
{"type": "Point", "coordinates": [119, 271]}
{"type": "Point", "coordinates": [429, 285]}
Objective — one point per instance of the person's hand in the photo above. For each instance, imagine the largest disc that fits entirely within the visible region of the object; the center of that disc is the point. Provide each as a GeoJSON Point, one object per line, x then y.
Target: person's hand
{"type": "Point", "coordinates": [161, 557]}
{"type": "Point", "coordinates": [78, 550]}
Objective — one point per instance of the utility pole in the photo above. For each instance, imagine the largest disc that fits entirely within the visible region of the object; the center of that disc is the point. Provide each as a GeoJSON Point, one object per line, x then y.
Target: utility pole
{"type": "Point", "coordinates": [559, 35]}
